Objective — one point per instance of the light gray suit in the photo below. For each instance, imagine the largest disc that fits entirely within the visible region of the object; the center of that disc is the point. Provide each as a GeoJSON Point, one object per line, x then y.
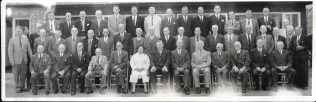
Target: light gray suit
{"type": "Point", "coordinates": [106, 47]}
{"type": "Point", "coordinates": [203, 60]}
{"type": "Point", "coordinates": [114, 22]}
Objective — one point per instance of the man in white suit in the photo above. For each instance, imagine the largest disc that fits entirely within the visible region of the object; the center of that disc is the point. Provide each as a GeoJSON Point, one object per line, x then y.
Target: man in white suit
{"type": "Point", "coordinates": [153, 20]}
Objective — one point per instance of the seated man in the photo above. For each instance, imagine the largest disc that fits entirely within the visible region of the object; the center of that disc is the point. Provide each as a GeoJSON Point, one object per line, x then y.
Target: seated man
{"type": "Point", "coordinates": [281, 61]}
{"type": "Point", "coordinates": [79, 68]}
{"type": "Point", "coordinates": [240, 61]}
{"type": "Point", "coordinates": [62, 63]}
{"type": "Point", "coordinates": [118, 64]}
{"type": "Point", "coordinates": [40, 66]}
{"type": "Point", "coordinates": [160, 60]}
{"type": "Point", "coordinates": [220, 63]}
{"type": "Point", "coordinates": [260, 65]}
{"type": "Point", "coordinates": [97, 66]}
{"type": "Point", "coordinates": [180, 61]}
{"type": "Point", "coordinates": [201, 61]}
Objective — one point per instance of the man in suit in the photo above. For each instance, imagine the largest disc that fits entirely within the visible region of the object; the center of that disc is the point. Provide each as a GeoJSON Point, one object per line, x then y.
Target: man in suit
{"type": "Point", "coordinates": [247, 39]}
{"type": "Point", "coordinates": [35, 35]}
{"type": "Point", "coordinates": [186, 22]}
{"type": "Point", "coordinates": [249, 21]}
{"type": "Point", "coordinates": [79, 68]}
{"type": "Point", "coordinates": [83, 25]}
{"type": "Point", "coordinates": [289, 35]}
{"type": "Point", "coordinates": [18, 50]}
{"type": "Point", "coordinates": [260, 65]}
{"type": "Point", "coordinates": [202, 22]}
{"type": "Point", "coordinates": [218, 19]}
{"type": "Point", "coordinates": [233, 22]}
{"type": "Point", "coordinates": [230, 38]}
{"type": "Point", "coordinates": [42, 40]}
{"type": "Point", "coordinates": [281, 61]}
{"type": "Point", "coordinates": [51, 24]}
{"type": "Point", "coordinates": [90, 44]}
{"type": "Point", "coordinates": [277, 37]}
{"type": "Point", "coordinates": [180, 61]}
{"type": "Point", "coordinates": [299, 49]}
{"type": "Point", "coordinates": [200, 62]}
{"type": "Point", "coordinates": [54, 42]}
{"type": "Point", "coordinates": [220, 63]}
{"type": "Point", "coordinates": [170, 22]}
{"type": "Point", "coordinates": [61, 67]}
{"type": "Point", "coordinates": [118, 65]}
{"type": "Point", "coordinates": [125, 38]}
{"type": "Point", "coordinates": [97, 66]}
{"type": "Point", "coordinates": [40, 66]}
{"type": "Point", "coordinates": [150, 41]}
{"type": "Point", "coordinates": [71, 42]}
{"type": "Point", "coordinates": [153, 20]}
{"type": "Point", "coordinates": [99, 24]}
{"type": "Point", "coordinates": [240, 62]}
{"type": "Point", "coordinates": [193, 40]}
{"type": "Point", "coordinates": [168, 40]}
{"type": "Point", "coordinates": [267, 39]}
{"type": "Point", "coordinates": [160, 62]}
{"type": "Point", "coordinates": [66, 26]}
{"type": "Point", "coordinates": [213, 39]}
{"type": "Point", "coordinates": [115, 20]}
{"type": "Point", "coordinates": [267, 20]}
{"type": "Point", "coordinates": [185, 39]}
{"type": "Point", "coordinates": [134, 21]}
{"type": "Point", "coordinates": [106, 43]}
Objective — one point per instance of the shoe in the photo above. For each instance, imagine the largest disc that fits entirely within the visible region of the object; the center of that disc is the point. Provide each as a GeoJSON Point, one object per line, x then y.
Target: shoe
{"type": "Point", "coordinates": [89, 91]}
{"type": "Point", "coordinates": [207, 91]}
{"type": "Point", "coordinates": [198, 90]}
{"type": "Point", "coordinates": [81, 90]}
{"type": "Point", "coordinates": [73, 93]}
{"type": "Point", "coordinates": [243, 90]}
{"type": "Point", "coordinates": [133, 92]}
{"type": "Point", "coordinates": [257, 88]}
{"type": "Point", "coordinates": [305, 88]}
{"type": "Point", "coordinates": [119, 90]}
{"type": "Point", "coordinates": [46, 92]}
{"type": "Point", "coordinates": [23, 89]}
{"type": "Point", "coordinates": [146, 92]}
{"type": "Point", "coordinates": [34, 92]}
{"type": "Point", "coordinates": [187, 91]}
{"type": "Point", "coordinates": [56, 91]}
{"type": "Point", "coordinates": [124, 90]}
{"type": "Point", "coordinates": [64, 92]}
{"type": "Point", "coordinates": [102, 91]}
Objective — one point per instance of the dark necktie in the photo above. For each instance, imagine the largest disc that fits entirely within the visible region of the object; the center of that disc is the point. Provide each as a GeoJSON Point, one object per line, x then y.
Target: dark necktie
{"type": "Point", "coordinates": [134, 21]}
{"type": "Point", "coordinates": [248, 38]}
{"type": "Point", "coordinates": [98, 61]}
{"type": "Point", "coordinates": [119, 57]}
{"type": "Point", "coordinates": [152, 20]}
{"type": "Point", "coordinates": [21, 41]}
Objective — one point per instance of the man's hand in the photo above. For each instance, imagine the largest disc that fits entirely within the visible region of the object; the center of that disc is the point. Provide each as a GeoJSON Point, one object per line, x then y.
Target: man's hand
{"type": "Point", "coordinates": [269, 26]}
{"type": "Point", "coordinates": [153, 69]}
{"type": "Point", "coordinates": [263, 69]}
{"type": "Point", "coordinates": [285, 67]}
{"type": "Point", "coordinates": [165, 69]}
{"type": "Point", "coordinates": [45, 71]}
{"type": "Point", "coordinates": [118, 69]}
{"type": "Point", "coordinates": [180, 69]}
{"type": "Point", "coordinates": [32, 72]}
{"type": "Point", "coordinates": [299, 47]}
{"type": "Point", "coordinates": [61, 72]}
{"type": "Point", "coordinates": [236, 69]}
{"type": "Point", "coordinates": [79, 70]}
{"type": "Point", "coordinates": [258, 69]}
{"type": "Point", "coordinates": [115, 67]}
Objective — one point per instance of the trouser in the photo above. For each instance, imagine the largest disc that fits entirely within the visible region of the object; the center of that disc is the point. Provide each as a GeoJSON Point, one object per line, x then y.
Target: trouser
{"type": "Point", "coordinates": [35, 77]}
{"type": "Point", "coordinates": [265, 76]}
{"type": "Point", "coordinates": [221, 75]}
{"type": "Point", "coordinates": [90, 75]}
{"type": "Point", "coordinates": [153, 77]}
{"type": "Point", "coordinates": [243, 75]}
{"type": "Point", "coordinates": [66, 78]}
{"type": "Point", "coordinates": [186, 78]}
{"type": "Point", "coordinates": [301, 78]}
{"type": "Point", "coordinates": [120, 76]}
{"type": "Point", "coordinates": [81, 80]}
{"type": "Point", "coordinates": [289, 71]}
{"type": "Point", "coordinates": [28, 75]}
{"type": "Point", "coordinates": [19, 74]}
{"type": "Point", "coordinates": [207, 76]}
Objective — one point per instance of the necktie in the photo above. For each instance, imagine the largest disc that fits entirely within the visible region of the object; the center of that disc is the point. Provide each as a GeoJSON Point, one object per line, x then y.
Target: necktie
{"type": "Point", "coordinates": [89, 46]}
{"type": "Point", "coordinates": [266, 19]}
{"type": "Point", "coordinates": [61, 55]}
{"type": "Point", "coordinates": [105, 39]}
{"type": "Point", "coordinates": [238, 55]}
{"type": "Point", "coordinates": [98, 61]}
{"type": "Point", "coordinates": [79, 56]}
{"type": "Point", "coordinates": [201, 17]}
{"type": "Point", "coordinates": [179, 51]}
{"type": "Point", "coordinates": [116, 20]}
{"type": "Point", "coordinates": [170, 20]}
{"type": "Point", "coordinates": [119, 57]}
{"type": "Point", "coordinates": [249, 38]}
{"type": "Point", "coordinates": [20, 41]}
{"type": "Point", "coordinates": [167, 38]}
{"type": "Point", "coordinates": [73, 39]}
{"type": "Point", "coordinates": [51, 26]}
{"type": "Point", "coordinates": [220, 56]}
{"type": "Point", "coordinates": [134, 20]}
{"type": "Point", "coordinates": [217, 16]}
{"type": "Point", "coordinates": [185, 18]}
{"type": "Point", "coordinates": [248, 21]}
{"type": "Point", "coordinates": [122, 36]}
{"type": "Point", "coordinates": [152, 20]}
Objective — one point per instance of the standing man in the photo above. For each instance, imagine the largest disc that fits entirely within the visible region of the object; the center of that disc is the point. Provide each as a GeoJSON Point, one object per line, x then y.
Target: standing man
{"type": "Point", "coordinates": [51, 25]}
{"type": "Point", "coordinates": [289, 35]}
{"type": "Point", "coordinates": [168, 40]}
{"type": "Point", "coordinates": [186, 22]}
{"type": "Point", "coordinates": [71, 42]}
{"type": "Point", "coordinates": [249, 21]}
{"type": "Point", "coordinates": [134, 21]}
{"type": "Point", "coordinates": [202, 22]}
{"type": "Point", "coordinates": [115, 20]}
{"type": "Point", "coordinates": [170, 22]}
{"type": "Point", "coordinates": [35, 35]}
{"type": "Point", "coordinates": [195, 39]}
{"type": "Point", "coordinates": [221, 64]}
{"type": "Point", "coordinates": [266, 20]}
{"type": "Point", "coordinates": [125, 38]}
{"type": "Point", "coordinates": [233, 22]}
{"type": "Point", "coordinates": [42, 40]}
{"type": "Point", "coordinates": [247, 39]}
{"type": "Point", "coordinates": [150, 41]}
{"type": "Point", "coordinates": [18, 50]}
{"type": "Point", "coordinates": [83, 25]}
{"type": "Point", "coordinates": [99, 24]}
{"type": "Point", "coordinates": [266, 38]}
{"type": "Point", "coordinates": [230, 38]}
{"type": "Point", "coordinates": [66, 26]}
{"type": "Point", "coordinates": [213, 39]}
{"type": "Point", "coordinates": [218, 19]}
{"type": "Point", "coordinates": [54, 42]}
{"type": "Point", "coordinates": [153, 20]}
{"type": "Point", "coordinates": [90, 44]}
{"type": "Point", "coordinates": [106, 43]}
{"type": "Point", "coordinates": [185, 39]}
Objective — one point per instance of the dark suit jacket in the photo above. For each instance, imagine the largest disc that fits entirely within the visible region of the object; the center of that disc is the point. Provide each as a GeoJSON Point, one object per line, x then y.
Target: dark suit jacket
{"type": "Point", "coordinates": [53, 45]}
{"type": "Point", "coordinates": [270, 22]}
{"type": "Point", "coordinates": [278, 59]}
{"type": "Point", "coordinates": [300, 55]}
{"type": "Point", "coordinates": [173, 26]}
{"type": "Point", "coordinates": [39, 65]}
{"type": "Point", "coordinates": [150, 45]}
{"type": "Point", "coordinates": [126, 41]}
{"type": "Point", "coordinates": [244, 42]}
{"type": "Point", "coordinates": [78, 25]}
{"type": "Point", "coordinates": [83, 64]}
{"type": "Point", "coordinates": [204, 26]}
{"type": "Point", "coordinates": [219, 22]}
{"type": "Point", "coordinates": [114, 60]}
{"type": "Point", "coordinates": [98, 31]}
{"type": "Point", "coordinates": [280, 38]}
{"type": "Point", "coordinates": [170, 44]}
{"type": "Point", "coordinates": [182, 60]}
{"type": "Point", "coordinates": [220, 61]}
{"type": "Point", "coordinates": [32, 39]}
{"type": "Point", "coordinates": [62, 63]}
{"type": "Point", "coordinates": [94, 45]}
{"type": "Point", "coordinates": [211, 42]}
{"type": "Point", "coordinates": [242, 61]}
{"type": "Point", "coordinates": [131, 27]}
{"type": "Point", "coordinates": [162, 60]}
{"type": "Point", "coordinates": [259, 60]}
{"type": "Point", "coordinates": [66, 31]}
{"type": "Point", "coordinates": [188, 25]}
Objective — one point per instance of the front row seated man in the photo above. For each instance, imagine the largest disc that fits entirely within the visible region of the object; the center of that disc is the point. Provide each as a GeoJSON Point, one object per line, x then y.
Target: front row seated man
{"type": "Point", "coordinates": [201, 61]}
{"type": "Point", "coordinates": [281, 61]}
{"type": "Point", "coordinates": [97, 66]}
{"type": "Point", "coordinates": [221, 64]}
{"type": "Point", "coordinates": [40, 66]}
{"type": "Point", "coordinates": [240, 61]}
{"type": "Point", "coordinates": [62, 63]}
